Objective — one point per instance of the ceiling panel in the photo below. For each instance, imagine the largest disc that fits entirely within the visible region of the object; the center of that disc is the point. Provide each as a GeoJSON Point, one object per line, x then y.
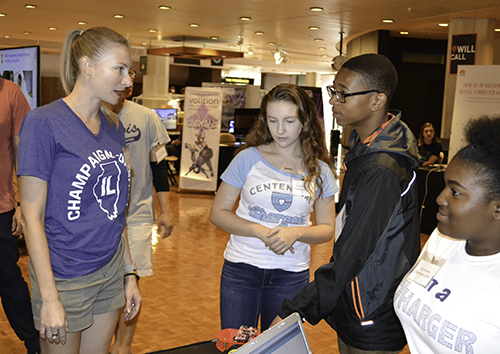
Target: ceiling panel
{"type": "Point", "coordinates": [284, 22]}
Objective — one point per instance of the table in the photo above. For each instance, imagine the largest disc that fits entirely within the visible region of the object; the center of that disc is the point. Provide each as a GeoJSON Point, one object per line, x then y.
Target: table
{"type": "Point", "coordinates": [207, 347]}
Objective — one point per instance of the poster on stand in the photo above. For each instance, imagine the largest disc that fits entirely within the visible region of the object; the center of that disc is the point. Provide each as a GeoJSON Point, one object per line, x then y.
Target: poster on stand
{"type": "Point", "coordinates": [477, 94]}
{"type": "Point", "coordinates": [200, 139]}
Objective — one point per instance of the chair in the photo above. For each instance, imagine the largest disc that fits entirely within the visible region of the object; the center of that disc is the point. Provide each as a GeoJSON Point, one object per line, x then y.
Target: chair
{"type": "Point", "coordinates": [441, 158]}
{"type": "Point", "coordinates": [170, 173]}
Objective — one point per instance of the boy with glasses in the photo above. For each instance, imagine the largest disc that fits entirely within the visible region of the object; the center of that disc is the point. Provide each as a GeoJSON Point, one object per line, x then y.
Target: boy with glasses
{"type": "Point", "coordinates": [377, 235]}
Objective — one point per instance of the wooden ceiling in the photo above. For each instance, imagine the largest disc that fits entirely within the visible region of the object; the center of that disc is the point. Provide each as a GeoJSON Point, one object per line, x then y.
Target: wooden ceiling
{"type": "Point", "coordinates": [283, 22]}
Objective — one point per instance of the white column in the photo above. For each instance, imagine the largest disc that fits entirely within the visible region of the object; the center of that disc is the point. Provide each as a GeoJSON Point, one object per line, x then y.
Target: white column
{"type": "Point", "coordinates": [313, 80]}
{"type": "Point", "coordinates": [156, 82]}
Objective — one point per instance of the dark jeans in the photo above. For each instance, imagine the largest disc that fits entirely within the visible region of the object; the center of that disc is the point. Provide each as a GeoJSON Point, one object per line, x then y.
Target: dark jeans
{"type": "Point", "coordinates": [247, 292]}
{"type": "Point", "coordinates": [13, 289]}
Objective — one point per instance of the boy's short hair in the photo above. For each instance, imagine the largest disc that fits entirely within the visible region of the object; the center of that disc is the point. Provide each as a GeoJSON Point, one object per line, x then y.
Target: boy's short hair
{"type": "Point", "coordinates": [377, 71]}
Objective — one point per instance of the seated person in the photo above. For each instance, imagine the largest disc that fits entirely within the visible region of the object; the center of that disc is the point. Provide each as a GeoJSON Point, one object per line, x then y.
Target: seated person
{"type": "Point", "coordinates": [428, 147]}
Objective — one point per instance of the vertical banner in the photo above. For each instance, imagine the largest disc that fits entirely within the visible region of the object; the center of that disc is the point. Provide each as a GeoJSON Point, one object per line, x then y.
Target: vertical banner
{"type": "Point", "coordinates": [200, 138]}
{"type": "Point", "coordinates": [477, 93]}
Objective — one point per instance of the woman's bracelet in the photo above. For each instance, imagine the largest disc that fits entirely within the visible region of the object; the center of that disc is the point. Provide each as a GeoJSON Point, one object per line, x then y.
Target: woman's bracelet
{"type": "Point", "coordinates": [130, 268]}
{"type": "Point", "coordinates": [133, 273]}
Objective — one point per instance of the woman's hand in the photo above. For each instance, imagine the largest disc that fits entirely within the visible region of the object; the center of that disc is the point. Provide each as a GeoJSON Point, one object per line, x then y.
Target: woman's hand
{"type": "Point", "coordinates": [281, 239]}
{"type": "Point", "coordinates": [133, 298]}
{"type": "Point", "coordinates": [53, 322]}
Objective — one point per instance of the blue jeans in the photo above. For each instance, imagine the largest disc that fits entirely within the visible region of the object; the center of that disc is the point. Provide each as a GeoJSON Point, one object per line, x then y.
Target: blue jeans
{"type": "Point", "coordinates": [247, 292]}
{"type": "Point", "coordinates": [14, 291]}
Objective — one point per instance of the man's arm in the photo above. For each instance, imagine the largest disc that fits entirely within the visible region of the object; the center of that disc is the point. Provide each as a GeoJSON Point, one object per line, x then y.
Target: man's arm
{"type": "Point", "coordinates": [160, 181]}
{"type": "Point", "coordinates": [19, 109]}
{"type": "Point", "coordinates": [17, 225]}
{"type": "Point", "coordinates": [375, 199]}
{"type": "Point", "coordinates": [165, 222]}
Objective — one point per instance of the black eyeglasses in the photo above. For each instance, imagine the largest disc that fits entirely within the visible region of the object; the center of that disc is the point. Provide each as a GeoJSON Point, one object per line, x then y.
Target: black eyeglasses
{"type": "Point", "coordinates": [341, 96]}
{"type": "Point", "coordinates": [132, 74]}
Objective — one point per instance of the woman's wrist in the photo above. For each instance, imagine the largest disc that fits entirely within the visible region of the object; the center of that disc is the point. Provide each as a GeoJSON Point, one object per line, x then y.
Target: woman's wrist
{"type": "Point", "coordinates": [261, 232]}
{"type": "Point", "coordinates": [130, 270]}
{"type": "Point", "coordinates": [133, 273]}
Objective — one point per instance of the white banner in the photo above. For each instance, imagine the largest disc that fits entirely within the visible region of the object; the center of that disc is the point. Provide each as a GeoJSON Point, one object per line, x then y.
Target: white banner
{"type": "Point", "coordinates": [477, 93]}
{"type": "Point", "coordinates": [200, 138]}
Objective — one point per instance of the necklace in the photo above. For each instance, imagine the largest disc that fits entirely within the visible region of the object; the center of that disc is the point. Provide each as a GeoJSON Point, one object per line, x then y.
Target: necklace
{"type": "Point", "coordinates": [286, 168]}
{"type": "Point", "coordinates": [81, 116]}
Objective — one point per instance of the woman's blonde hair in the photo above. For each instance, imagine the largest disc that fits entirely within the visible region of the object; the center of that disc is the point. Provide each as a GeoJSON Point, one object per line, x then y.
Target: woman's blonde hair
{"type": "Point", "coordinates": [312, 135]}
{"type": "Point", "coordinates": [92, 43]}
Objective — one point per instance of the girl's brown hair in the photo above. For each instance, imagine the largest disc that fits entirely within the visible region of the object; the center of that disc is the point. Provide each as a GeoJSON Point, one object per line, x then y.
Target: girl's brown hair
{"type": "Point", "coordinates": [312, 136]}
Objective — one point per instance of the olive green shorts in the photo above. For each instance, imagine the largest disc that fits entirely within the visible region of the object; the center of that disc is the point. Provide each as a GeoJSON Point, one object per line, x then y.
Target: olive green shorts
{"type": "Point", "coordinates": [86, 296]}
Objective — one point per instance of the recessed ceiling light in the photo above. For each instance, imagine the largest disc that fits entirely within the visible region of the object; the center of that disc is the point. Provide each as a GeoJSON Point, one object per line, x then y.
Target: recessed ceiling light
{"type": "Point", "coordinates": [324, 56]}
{"type": "Point", "coordinates": [318, 39]}
{"type": "Point", "coordinates": [404, 33]}
{"type": "Point", "coordinates": [6, 36]}
{"type": "Point", "coordinates": [194, 25]}
{"type": "Point", "coordinates": [387, 20]}
{"type": "Point", "coordinates": [3, 15]}
{"type": "Point", "coordinates": [316, 9]}
{"type": "Point", "coordinates": [259, 33]}
{"type": "Point", "coordinates": [164, 7]}
{"type": "Point", "coordinates": [152, 30]}
{"type": "Point", "coordinates": [29, 6]}
{"type": "Point", "coordinates": [271, 43]}
{"type": "Point", "coordinates": [118, 16]}
{"type": "Point", "coordinates": [231, 46]}
{"type": "Point", "coordinates": [144, 43]}
{"type": "Point", "coordinates": [245, 18]}
{"type": "Point", "coordinates": [52, 28]}
{"type": "Point", "coordinates": [82, 22]}
{"type": "Point", "coordinates": [214, 38]}
{"type": "Point", "coordinates": [321, 48]}
{"type": "Point", "coordinates": [443, 25]}
{"type": "Point", "coordinates": [313, 28]}
{"type": "Point", "coordinates": [26, 32]}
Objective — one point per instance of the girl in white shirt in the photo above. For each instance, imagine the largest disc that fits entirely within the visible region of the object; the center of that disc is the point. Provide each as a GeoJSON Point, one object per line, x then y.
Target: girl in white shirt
{"type": "Point", "coordinates": [283, 174]}
{"type": "Point", "coordinates": [448, 302]}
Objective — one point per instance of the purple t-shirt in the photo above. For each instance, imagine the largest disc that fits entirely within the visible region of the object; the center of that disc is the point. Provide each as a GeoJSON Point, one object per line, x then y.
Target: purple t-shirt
{"type": "Point", "coordinates": [87, 186]}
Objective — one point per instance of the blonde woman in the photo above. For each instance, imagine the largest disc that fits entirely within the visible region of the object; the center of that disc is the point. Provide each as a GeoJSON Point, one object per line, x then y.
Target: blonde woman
{"type": "Point", "coordinates": [74, 189]}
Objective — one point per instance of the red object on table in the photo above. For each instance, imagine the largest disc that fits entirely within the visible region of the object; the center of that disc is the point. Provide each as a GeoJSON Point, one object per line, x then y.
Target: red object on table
{"type": "Point", "coordinates": [227, 337]}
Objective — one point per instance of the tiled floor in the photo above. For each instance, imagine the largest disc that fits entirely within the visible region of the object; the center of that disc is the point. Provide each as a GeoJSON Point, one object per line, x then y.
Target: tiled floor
{"type": "Point", "coordinates": [181, 302]}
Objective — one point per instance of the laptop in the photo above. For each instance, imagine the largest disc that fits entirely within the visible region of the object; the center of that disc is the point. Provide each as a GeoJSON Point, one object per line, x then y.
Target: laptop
{"type": "Point", "coordinates": [286, 337]}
